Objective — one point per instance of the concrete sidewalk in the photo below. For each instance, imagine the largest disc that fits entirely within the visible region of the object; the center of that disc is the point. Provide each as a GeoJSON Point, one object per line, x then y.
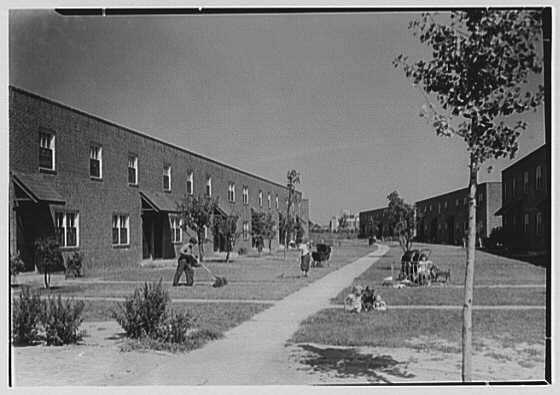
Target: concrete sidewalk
{"type": "Point", "coordinates": [255, 352]}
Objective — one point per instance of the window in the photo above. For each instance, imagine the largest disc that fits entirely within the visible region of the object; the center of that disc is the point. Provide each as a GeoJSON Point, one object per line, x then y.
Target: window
{"type": "Point", "coordinates": [277, 203]}
{"type": "Point", "coordinates": [430, 208]}
{"type": "Point", "coordinates": [526, 223]}
{"type": "Point", "coordinates": [231, 192]}
{"type": "Point", "coordinates": [167, 178]}
{"type": "Point", "coordinates": [439, 208]}
{"type": "Point", "coordinates": [538, 178]}
{"type": "Point", "coordinates": [190, 183]}
{"type": "Point", "coordinates": [525, 181]}
{"type": "Point", "coordinates": [46, 151]}
{"type": "Point", "coordinates": [260, 199]}
{"type": "Point", "coordinates": [209, 186]}
{"type": "Point", "coordinates": [245, 230]}
{"type": "Point", "coordinates": [95, 163]}
{"type": "Point", "coordinates": [176, 231]}
{"type": "Point", "coordinates": [132, 169]}
{"type": "Point", "coordinates": [445, 205]}
{"type": "Point", "coordinates": [120, 229]}
{"type": "Point", "coordinates": [513, 189]}
{"type": "Point", "coordinates": [480, 197]}
{"type": "Point", "coordinates": [269, 201]}
{"type": "Point", "coordinates": [538, 220]}
{"type": "Point", "coordinates": [465, 201]}
{"type": "Point", "coordinates": [66, 228]}
{"type": "Point", "coordinates": [456, 202]}
{"type": "Point", "coordinates": [245, 195]}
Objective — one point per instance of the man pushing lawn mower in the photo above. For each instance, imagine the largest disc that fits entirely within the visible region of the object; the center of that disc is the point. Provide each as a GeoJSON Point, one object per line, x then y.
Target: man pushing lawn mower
{"type": "Point", "coordinates": [187, 261]}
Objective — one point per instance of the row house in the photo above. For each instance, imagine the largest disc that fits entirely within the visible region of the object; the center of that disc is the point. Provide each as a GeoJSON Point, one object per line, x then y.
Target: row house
{"type": "Point", "coordinates": [112, 193]}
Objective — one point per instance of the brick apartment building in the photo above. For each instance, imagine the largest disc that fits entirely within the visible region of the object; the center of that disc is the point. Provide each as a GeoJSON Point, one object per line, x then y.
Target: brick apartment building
{"type": "Point", "coordinates": [373, 223]}
{"type": "Point", "coordinates": [110, 192]}
{"type": "Point", "coordinates": [525, 208]}
{"type": "Point", "coordinates": [444, 218]}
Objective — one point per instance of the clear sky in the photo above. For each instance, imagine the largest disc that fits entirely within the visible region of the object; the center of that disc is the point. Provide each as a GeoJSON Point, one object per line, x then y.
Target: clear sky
{"type": "Point", "coordinates": [265, 93]}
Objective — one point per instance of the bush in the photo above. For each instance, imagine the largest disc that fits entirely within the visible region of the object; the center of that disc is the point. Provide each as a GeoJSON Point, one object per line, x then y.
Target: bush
{"type": "Point", "coordinates": [144, 313]}
{"type": "Point", "coordinates": [62, 320]}
{"type": "Point", "coordinates": [175, 328]}
{"type": "Point", "coordinates": [26, 317]}
{"type": "Point", "coordinates": [16, 264]}
{"type": "Point", "coordinates": [73, 266]}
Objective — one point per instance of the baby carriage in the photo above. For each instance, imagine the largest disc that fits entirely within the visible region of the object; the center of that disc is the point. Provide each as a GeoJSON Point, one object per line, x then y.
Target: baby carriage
{"type": "Point", "coordinates": [323, 254]}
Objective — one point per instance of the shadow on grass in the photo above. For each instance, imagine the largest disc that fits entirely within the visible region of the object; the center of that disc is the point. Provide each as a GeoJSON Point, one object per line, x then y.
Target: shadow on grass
{"type": "Point", "coordinates": [540, 260]}
{"type": "Point", "coordinates": [349, 363]}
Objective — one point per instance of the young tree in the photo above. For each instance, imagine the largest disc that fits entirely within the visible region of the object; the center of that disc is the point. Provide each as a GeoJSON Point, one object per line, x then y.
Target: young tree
{"type": "Point", "coordinates": [343, 223]}
{"type": "Point", "coordinates": [197, 212]}
{"type": "Point", "coordinates": [476, 79]}
{"type": "Point", "coordinates": [400, 217]}
{"type": "Point", "coordinates": [293, 179]}
{"type": "Point", "coordinates": [226, 226]}
{"type": "Point", "coordinates": [269, 230]}
{"type": "Point", "coordinates": [48, 256]}
{"type": "Point", "coordinates": [258, 223]}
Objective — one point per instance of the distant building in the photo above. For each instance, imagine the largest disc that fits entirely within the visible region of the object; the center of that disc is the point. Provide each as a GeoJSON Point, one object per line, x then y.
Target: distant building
{"type": "Point", "coordinates": [374, 223]}
{"type": "Point", "coordinates": [333, 224]}
{"type": "Point", "coordinates": [444, 218]}
{"type": "Point", "coordinates": [525, 208]}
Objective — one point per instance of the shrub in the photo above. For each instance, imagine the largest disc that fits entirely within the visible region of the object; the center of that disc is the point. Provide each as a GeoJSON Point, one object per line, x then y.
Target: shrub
{"type": "Point", "coordinates": [48, 255]}
{"type": "Point", "coordinates": [61, 320]}
{"type": "Point", "coordinates": [144, 313]}
{"type": "Point", "coordinates": [16, 264]}
{"type": "Point", "coordinates": [73, 266]}
{"type": "Point", "coordinates": [175, 328]}
{"type": "Point", "coordinates": [26, 317]}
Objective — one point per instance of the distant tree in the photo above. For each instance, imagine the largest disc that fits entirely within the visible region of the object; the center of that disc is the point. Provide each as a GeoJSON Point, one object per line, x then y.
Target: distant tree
{"type": "Point", "coordinates": [226, 226]}
{"type": "Point", "coordinates": [299, 230]}
{"type": "Point", "coordinates": [269, 230]}
{"type": "Point", "coordinates": [197, 212]}
{"type": "Point", "coordinates": [48, 255]}
{"type": "Point", "coordinates": [400, 216]}
{"type": "Point", "coordinates": [258, 223]}
{"type": "Point", "coordinates": [476, 79]}
{"type": "Point", "coordinates": [293, 178]}
{"type": "Point", "coordinates": [343, 223]}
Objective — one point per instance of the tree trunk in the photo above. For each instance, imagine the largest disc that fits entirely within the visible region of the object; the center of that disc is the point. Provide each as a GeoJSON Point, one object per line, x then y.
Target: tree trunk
{"type": "Point", "coordinates": [466, 371]}
{"type": "Point", "coordinates": [200, 237]}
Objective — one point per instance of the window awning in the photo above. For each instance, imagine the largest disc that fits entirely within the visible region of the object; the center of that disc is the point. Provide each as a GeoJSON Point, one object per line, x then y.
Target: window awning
{"type": "Point", "coordinates": [510, 206]}
{"type": "Point", "coordinates": [158, 202]}
{"type": "Point", "coordinates": [35, 188]}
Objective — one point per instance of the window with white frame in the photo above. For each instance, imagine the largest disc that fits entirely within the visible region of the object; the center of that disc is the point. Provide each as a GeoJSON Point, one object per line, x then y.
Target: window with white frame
{"type": "Point", "coordinates": [245, 230]}
{"type": "Point", "coordinates": [95, 161]}
{"type": "Point", "coordinates": [231, 192]}
{"type": "Point", "coordinates": [525, 223]}
{"type": "Point", "coordinates": [538, 222]}
{"type": "Point", "coordinates": [538, 178]}
{"type": "Point", "coordinates": [190, 183]}
{"type": "Point", "coordinates": [66, 228]}
{"type": "Point", "coordinates": [176, 229]}
{"type": "Point", "coordinates": [166, 177]}
{"type": "Point", "coordinates": [46, 151]}
{"type": "Point", "coordinates": [269, 201]}
{"type": "Point", "coordinates": [525, 181]}
{"type": "Point", "coordinates": [120, 229]}
{"type": "Point", "coordinates": [277, 202]}
{"type": "Point", "coordinates": [132, 169]}
{"type": "Point", "coordinates": [260, 198]}
{"type": "Point", "coordinates": [209, 186]}
{"type": "Point", "coordinates": [245, 194]}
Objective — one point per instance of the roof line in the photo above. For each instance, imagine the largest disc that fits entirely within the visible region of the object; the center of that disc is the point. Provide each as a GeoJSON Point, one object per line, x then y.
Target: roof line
{"type": "Point", "coordinates": [111, 123]}
{"type": "Point", "coordinates": [524, 157]}
{"type": "Point", "coordinates": [456, 190]}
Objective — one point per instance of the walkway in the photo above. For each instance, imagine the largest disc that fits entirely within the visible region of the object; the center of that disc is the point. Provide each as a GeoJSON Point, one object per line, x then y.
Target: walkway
{"type": "Point", "coordinates": [255, 352]}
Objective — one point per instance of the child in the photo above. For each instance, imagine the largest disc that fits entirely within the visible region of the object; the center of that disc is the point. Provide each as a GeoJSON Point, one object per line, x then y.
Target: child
{"type": "Point", "coordinates": [353, 302]}
{"type": "Point", "coordinates": [305, 258]}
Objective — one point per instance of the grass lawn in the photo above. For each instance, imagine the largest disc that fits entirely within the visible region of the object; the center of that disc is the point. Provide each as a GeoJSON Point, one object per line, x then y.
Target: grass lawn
{"type": "Point", "coordinates": [215, 316]}
{"type": "Point", "coordinates": [397, 328]}
{"type": "Point", "coordinates": [455, 296]}
{"type": "Point", "coordinates": [268, 277]}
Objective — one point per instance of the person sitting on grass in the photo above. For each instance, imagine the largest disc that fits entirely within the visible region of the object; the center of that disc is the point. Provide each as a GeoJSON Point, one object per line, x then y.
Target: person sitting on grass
{"type": "Point", "coordinates": [186, 262]}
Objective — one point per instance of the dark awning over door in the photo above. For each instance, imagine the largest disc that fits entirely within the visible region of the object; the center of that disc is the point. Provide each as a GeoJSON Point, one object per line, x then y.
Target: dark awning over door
{"type": "Point", "coordinates": [35, 188]}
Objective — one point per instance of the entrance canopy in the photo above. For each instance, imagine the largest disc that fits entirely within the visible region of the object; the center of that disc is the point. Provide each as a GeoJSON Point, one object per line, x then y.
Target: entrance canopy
{"type": "Point", "coordinates": [158, 202]}
{"type": "Point", "coordinates": [510, 206]}
{"type": "Point", "coordinates": [33, 187]}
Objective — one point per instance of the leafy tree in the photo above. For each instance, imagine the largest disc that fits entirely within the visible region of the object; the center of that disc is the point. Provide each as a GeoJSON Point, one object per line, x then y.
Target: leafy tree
{"type": "Point", "coordinates": [300, 232]}
{"type": "Point", "coordinates": [400, 217]}
{"type": "Point", "coordinates": [197, 212]}
{"type": "Point", "coordinates": [476, 79]}
{"type": "Point", "coordinates": [343, 223]}
{"type": "Point", "coordinates": [293, 178]}
{"type": "Point", "coordinates": [48, 256]}
{"type": "Point", "coordinates": [226, 226]}
{"type": "Point", "coordinates": [269, 230]}
{"type": "Point", "coordinates": [258, 223]}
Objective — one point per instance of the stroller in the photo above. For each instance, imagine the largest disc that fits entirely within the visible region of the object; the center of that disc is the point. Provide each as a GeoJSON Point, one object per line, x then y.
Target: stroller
{"type": "Point", "coordinates": [323, 254]}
